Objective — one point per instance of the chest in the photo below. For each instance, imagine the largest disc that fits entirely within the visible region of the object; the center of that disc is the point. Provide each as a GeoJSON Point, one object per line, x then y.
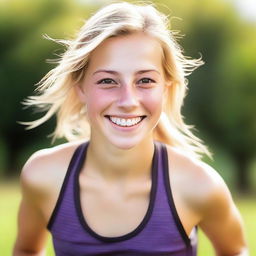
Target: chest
{"type": "Point", "coordinates": [114, 209]}
{"type": "Point", "coordinates": [116, 220]}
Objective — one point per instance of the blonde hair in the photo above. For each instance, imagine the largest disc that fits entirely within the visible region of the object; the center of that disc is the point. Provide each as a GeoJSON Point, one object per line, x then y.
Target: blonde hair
{"type": "Point", "coordinates": [56, 91]}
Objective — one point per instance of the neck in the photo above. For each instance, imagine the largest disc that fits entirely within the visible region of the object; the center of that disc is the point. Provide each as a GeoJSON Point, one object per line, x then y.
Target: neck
{"type": "Point", "coordinates": [111, 163]}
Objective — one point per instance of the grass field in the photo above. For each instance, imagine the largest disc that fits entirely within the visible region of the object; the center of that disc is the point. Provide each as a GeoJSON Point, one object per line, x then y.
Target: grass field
{"type": "Point", "coordinates": [10, 197]}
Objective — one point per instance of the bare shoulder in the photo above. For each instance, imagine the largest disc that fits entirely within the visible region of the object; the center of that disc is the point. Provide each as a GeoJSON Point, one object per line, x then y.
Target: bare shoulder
{"type": "Point", "coordinates": [44, 172]}
{"type": "Point", "coordinates": [45, 163]}
{"type": "Point", "coordinates": [198, 183]}
{"type": "Point", "coordinates": [202, 198]}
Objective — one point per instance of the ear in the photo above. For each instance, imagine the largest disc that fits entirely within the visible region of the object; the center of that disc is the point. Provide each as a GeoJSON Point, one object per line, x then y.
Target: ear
{"type": "Point", "coordinates": [168, 83]}
{"type": "Point", "coordinates": [80, 93]}
{"type": "Point", "coordinates": [167, 87]}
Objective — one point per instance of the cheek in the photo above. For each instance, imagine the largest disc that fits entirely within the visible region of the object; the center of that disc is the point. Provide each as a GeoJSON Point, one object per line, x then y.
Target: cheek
{"type": "Point", "coordinates": [96, 101]}
{"type": "Point", "coordinates": [154, 101]}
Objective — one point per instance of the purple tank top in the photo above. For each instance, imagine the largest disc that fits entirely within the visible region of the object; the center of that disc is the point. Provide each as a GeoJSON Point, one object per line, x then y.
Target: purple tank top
{"type": "Point", "coordinates": [160, 233]}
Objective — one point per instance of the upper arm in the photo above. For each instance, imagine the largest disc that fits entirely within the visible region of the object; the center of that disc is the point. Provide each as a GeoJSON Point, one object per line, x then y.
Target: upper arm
{"type": "Point", "coordinates": [202, 198]}
{"type": "Point", "coordinates": [221, 220]}
{"type": "Point", "coordinates": [41, 181]}
{"type": "Point", "coordinates": [32, 232]}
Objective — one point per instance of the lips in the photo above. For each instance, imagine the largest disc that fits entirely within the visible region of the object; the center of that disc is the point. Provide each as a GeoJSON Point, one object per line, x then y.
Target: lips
{"type": "Point", "coordinates": [125, 121]}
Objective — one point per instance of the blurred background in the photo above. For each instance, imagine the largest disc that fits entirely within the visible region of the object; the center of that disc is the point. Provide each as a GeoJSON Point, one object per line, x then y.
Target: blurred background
{"type": "Point", "coordinates": [221, 102]}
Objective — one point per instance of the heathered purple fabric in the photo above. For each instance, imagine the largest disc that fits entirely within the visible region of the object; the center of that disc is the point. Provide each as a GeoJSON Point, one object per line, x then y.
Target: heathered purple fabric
{"type": "Point", "coordinates": [160, 233]}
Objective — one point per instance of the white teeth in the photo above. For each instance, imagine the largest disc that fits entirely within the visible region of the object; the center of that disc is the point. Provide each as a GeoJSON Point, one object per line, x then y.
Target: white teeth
{"type": "Point", "coordinates": [125, 122]}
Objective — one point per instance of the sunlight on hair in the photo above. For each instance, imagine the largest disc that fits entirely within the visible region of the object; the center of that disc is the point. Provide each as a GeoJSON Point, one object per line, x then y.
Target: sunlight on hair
{"type": "Point", "coordinates": [56, 91]}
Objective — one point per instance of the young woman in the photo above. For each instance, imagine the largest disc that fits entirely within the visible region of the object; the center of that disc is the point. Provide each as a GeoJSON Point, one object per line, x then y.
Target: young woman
{"type": "Point", "coordinates": [132, 183]}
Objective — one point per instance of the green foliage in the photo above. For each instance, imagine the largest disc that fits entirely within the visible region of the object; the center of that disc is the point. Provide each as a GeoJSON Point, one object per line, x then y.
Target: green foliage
{"type": "Point", "coordinates": [23, 53]}
{"type": "Point", "coordinates": [222, 97]}
{"type": "Point", "coordinates": [221, 100]}
{"type": "Point", "coordinates": [9, 199]}
{"type": "Point", "coordinates": [3, 155]}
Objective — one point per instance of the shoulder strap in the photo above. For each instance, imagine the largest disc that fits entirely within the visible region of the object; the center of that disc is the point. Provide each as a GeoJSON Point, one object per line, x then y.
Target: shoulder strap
{"type": "Point", "coordinates": [75, 162]}
{"type": "Point", "coordinates": [164, 155]}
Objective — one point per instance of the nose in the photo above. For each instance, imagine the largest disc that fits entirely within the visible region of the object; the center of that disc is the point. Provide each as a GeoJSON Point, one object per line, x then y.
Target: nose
{"type": "Point", "coordinates": [128, 98]}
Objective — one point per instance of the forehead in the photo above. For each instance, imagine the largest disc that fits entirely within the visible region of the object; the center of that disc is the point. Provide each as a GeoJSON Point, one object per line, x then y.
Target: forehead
{"type": "Point", "coordinates": [134, 51]}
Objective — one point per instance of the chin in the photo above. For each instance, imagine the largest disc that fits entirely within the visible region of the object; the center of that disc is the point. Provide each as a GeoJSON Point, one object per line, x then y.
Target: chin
{"type": "Point", "coordinates": [125, 143]}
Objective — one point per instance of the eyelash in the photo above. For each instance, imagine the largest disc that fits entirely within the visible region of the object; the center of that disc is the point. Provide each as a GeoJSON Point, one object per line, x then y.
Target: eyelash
{"type": "Point", "coordinates": [103, 81]}
{"type": "Point", "coordinates": [146, 78]}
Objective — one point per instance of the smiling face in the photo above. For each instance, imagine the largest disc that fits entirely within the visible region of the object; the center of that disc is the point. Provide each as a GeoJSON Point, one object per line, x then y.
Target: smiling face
{"type": "Point", "coordinates": [123, 90]}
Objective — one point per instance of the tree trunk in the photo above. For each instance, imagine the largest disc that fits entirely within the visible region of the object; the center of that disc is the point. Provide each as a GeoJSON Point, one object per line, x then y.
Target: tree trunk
{"type": "Point", "coordinates": [242, 177]}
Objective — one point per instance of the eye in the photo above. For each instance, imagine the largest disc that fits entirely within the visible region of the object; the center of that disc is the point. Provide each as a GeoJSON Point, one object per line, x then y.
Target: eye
{"type": "Point", "coordinates": [146, 83]}
{"type": "Point", "coordinates": [146, 80]}
{"type": "Point", "coordinates": [106, 81]}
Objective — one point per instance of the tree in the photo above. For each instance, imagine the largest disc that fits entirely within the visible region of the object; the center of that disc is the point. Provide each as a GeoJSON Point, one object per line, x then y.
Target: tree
{"type": "Point", "coordinates": [223, 98]}
{"type": "Point", "coordinates": [23, 53]}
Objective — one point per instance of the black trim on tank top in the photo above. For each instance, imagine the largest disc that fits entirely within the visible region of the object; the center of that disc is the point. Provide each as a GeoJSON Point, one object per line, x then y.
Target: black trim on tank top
{"type": "Point", "coordinates": [76, 153]}
{"type": "Point", "coordinates": [176, 217]}
{"type": "Point", "coordinates": [146, 218]}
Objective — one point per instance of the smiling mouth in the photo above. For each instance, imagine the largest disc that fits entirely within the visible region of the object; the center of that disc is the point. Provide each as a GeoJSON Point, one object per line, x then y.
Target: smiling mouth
{"type": "Point", "coordinates": [125, 122]}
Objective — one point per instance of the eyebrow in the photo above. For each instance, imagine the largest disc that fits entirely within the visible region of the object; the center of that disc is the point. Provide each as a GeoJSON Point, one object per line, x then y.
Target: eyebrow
{"type": "Point", "coordinates": [116, 73]}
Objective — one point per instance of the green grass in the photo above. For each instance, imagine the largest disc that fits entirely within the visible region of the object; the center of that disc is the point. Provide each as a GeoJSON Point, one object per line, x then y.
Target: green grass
{"type": "Point", "coordinates": [10, 197]}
